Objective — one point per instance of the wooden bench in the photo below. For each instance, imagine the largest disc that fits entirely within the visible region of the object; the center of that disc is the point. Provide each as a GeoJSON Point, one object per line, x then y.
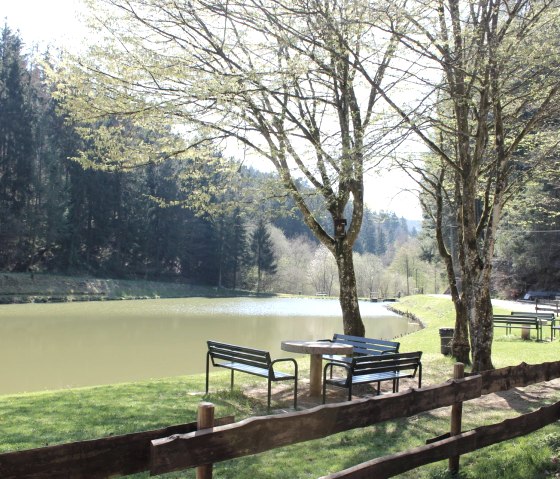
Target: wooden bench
{"type": "Point", "coordinates": [362, 347]}
{"type": "Point", "coordinates": [544, 317]}
{"type": "Point", "coordinates": [551, 305]}
{"type": "Point", "coordinates": [510, 322]}
{"type": "Point", "coordinates": [251, 361]}
{"type": "Point", "coordinates": [373, 369]}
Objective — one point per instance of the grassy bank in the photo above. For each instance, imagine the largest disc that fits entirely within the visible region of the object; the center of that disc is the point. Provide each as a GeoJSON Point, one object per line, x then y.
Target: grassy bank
{"type": "Point", "coordinates": [34, 420]}
{"type": "Point", "coordinates": [33, 288]}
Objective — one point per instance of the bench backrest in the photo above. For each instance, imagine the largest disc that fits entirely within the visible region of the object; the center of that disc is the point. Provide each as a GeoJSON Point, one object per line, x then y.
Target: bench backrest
{"type": "Point", "coordinates": [367, 346]}
{"type": "Point", "coordinates": [238, 354]}
{"type": "Point", "coordinates": [387, 363]}
{"type": "Point", "coordinates": [516, 320]}
{"type": "Point", "coordinates": [519, 314]}
{"type": "Point", "coordinates": [511, 317]}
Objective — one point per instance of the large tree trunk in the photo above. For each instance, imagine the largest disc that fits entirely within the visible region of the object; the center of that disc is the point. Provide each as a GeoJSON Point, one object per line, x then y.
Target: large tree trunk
{"type": "Point", "coordinates": [476, 293]}
{"type": "Point", "coordinates": [351, 317]}
{"type": "Point", "coordinates": [476, 266]}
{"type": "Point", "coordinates": [460, 347]}
{"type": "Point", "coordinates": [482, 330]}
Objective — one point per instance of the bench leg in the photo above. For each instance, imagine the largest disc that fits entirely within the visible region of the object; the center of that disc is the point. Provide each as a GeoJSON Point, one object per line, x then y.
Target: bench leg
{"type": "Point", "coordinates": [231, 385]}
{"type": "Point", "coordinates": [295, 392]}
{"type": "Point", "coordinates": [207, 370]}
{"type": "Point", "coordinates": [269, 393]}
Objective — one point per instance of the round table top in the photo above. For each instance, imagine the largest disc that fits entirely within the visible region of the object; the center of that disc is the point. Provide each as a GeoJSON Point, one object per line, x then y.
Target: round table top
{"type": "Point", "coordinates": [316, 347]}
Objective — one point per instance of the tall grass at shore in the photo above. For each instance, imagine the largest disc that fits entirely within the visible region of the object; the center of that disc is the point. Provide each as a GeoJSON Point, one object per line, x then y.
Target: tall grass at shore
{"type": "Point", "coordinates": [46, 418]}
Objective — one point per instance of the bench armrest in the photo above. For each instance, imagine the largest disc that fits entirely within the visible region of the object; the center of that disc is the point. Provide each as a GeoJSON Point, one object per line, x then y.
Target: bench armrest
{"type": "Point", "coordinates": [291, 360]}
{"type": "Point", "coordinates": [330, 365]}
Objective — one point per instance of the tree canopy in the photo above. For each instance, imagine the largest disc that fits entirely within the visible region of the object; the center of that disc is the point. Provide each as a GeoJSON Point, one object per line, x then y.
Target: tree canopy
{"type": "Point", "coordinates": [276, 78]}
{"type": "Point", "coordinates": [488, 76]}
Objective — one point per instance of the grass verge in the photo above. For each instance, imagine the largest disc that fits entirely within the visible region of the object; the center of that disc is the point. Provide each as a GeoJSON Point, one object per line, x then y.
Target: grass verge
{"type": "Point", "coordinates": [46, 418]}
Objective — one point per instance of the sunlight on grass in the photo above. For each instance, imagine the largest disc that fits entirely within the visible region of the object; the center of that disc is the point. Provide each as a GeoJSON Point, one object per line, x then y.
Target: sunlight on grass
{"type": "Point", "coordinates": [47, 418]}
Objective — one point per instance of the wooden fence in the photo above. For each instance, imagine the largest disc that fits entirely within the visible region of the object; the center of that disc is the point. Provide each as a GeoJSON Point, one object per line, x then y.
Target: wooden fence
{"type": "Point", "coordinates": [183, 447]}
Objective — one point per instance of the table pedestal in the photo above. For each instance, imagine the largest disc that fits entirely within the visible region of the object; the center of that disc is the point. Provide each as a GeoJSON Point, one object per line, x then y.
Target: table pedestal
{"type": "Point", "coordinates": [316, 375]}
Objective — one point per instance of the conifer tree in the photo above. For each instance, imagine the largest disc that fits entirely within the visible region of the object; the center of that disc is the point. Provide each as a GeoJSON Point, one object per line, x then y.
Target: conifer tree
{"type": "Point", "coordinates": [16, 149]}
{"type": "Point", "coordinates": [262, 255]}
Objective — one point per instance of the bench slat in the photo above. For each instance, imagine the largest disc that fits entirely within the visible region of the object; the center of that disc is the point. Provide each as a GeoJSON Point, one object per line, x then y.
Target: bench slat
{"type": "Point", "coordinates": [255, 370]}
{"type": "Point", "coordinates": [372, 378]}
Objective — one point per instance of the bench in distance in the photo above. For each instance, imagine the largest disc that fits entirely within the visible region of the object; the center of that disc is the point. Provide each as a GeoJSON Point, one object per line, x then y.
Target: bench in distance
{"type": "Point", "coordinates": [373, 369]}
{"type": "Point", "coordinates": [544, 317]}
{"type": "Point", "coordinates": [251, 361]}
{"type": "Point", "coordinates": [510, 322]}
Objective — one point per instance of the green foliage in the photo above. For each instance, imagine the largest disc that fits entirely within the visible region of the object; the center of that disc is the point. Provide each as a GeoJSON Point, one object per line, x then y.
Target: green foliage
{"type": "Point", "coordinates": [18, 167]}
{"type": "Point", "coordinates": [528, 251]}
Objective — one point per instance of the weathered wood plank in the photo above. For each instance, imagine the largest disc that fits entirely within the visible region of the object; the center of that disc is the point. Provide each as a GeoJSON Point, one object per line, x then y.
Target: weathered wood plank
{"type": "Point", "coordinates": [260, 434]}
{"type": "Point", "coordinates": [117, 455]}
{"type": "Point", "coordinates": [518, 376]}
{"type": "Point", "coordinates": [389, 466]}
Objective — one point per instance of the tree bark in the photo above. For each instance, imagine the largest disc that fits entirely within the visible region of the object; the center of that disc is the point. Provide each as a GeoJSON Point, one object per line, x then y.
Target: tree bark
{"type": "Point", "coordinates": [460, 347]}
{"type": "Point", "coordinates": [351, 317]}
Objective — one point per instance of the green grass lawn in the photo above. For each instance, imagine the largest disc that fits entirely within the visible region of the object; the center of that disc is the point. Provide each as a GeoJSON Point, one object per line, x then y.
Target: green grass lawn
{"type": "Point", "coordinates": [47, 418]}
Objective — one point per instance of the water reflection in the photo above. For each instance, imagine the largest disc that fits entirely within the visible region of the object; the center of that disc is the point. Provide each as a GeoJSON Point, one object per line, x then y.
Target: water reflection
{"type": "Point", "coordinates": [52, 346]}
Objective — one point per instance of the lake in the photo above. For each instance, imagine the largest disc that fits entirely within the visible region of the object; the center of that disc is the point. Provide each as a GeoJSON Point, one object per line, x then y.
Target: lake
{"type": "Point", "coordinates": [64, 345]}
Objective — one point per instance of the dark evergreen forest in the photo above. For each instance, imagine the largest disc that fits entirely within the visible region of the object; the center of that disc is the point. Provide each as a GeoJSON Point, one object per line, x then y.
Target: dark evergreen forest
{"type": "Point", "coordinates": [57, 216]}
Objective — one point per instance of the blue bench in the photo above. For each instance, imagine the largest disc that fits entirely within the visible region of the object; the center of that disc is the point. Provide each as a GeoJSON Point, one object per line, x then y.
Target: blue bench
{"type": "Point", "coordinates": [373, 369]}
{"type": "Point", "coordinates": [362, 347]}
{"type": "Point", "coordinates": [250, 361]}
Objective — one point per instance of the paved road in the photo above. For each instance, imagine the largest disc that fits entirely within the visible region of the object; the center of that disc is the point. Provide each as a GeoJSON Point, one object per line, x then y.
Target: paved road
{"type": "Point", "coordinates": [502, 303]}
{"type": "Point", "coordinates": [514, 305]}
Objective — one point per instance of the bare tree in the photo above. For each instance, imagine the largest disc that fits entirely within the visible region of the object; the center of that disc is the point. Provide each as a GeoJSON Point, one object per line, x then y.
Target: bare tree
{"type": "Point", "coordinates": [322, 271]}
{"type": "Point", "coordinates": [276, 78]}
{"type": "Point", "coordinates": [486, 82]}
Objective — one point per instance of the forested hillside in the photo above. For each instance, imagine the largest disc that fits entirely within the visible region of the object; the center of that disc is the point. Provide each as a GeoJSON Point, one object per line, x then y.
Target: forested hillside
{"type": "Point", "coordinates": [146, 221]}
{"type": "Point", "coordinates": [142, 222]}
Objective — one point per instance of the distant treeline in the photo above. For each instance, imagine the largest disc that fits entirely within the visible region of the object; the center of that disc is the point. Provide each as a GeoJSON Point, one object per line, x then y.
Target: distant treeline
{"type": "Point", "coordinates": [147, 222]}
{"type": "Point", "coordinates": [57, 216]}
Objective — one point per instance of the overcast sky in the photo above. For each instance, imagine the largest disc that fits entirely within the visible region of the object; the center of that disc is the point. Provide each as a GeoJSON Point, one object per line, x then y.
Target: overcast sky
{"type": "Point", "coordinates": [57, 22]}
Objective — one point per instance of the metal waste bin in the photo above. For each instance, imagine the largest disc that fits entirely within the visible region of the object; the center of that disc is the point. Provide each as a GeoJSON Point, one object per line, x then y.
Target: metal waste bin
{"type": "Point", "coordinates": [446, 336]}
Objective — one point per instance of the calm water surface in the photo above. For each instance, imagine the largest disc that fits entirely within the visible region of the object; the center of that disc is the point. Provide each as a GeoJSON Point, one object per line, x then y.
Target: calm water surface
{"type": "Point", "coordinates": [54, 346]}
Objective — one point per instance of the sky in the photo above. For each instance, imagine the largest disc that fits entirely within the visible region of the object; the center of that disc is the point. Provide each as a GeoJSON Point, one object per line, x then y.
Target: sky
{"type": "Point", "coordinates": [57, 22]}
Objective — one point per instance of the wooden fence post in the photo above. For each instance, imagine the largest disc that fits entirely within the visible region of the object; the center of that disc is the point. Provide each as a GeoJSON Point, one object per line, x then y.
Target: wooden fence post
{"type": "Point", "coordinates": [456, 416]}
{"type": "Point", "coordinates": [205, 420]}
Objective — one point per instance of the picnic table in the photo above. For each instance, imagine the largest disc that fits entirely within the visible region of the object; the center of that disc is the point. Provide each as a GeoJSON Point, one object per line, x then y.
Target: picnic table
{"type": "Point", "coordinates": [316, 349]}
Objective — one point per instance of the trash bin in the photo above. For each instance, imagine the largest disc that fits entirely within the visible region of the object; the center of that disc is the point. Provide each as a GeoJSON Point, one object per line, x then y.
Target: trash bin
{"type": "Point", "coordinates": [446, 336]}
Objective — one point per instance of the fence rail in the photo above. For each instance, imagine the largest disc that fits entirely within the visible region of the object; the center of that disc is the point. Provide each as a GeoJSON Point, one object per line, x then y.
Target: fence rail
{"type": "Point", "coordinates": [260, 434]}
{"type": "Point", "coordinates": [463, 443]}
{"type": "Point", "coordinates": [97, 458]}
{"type": "Point", "coordinates": [180, 447]}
